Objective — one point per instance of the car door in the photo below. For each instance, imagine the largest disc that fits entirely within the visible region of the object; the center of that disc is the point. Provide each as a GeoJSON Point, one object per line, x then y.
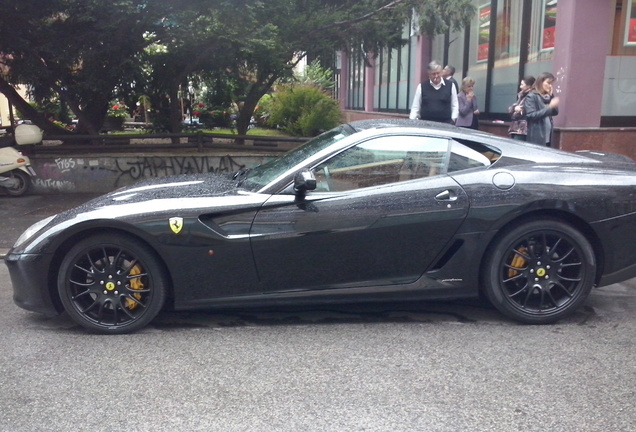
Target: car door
{"type": "Point", "coordinates": [383, 210]}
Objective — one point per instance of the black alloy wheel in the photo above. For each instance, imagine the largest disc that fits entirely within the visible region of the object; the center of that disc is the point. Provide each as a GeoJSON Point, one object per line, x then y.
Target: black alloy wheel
{"type": "Point", "coordinates": [112, 284]}
{"type": "Point", "coordinates": [540, 272]}
{"type": "Point", "coordinates": [23, 182]}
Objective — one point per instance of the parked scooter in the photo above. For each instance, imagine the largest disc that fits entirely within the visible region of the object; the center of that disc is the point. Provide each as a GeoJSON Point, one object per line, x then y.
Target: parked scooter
{"type": "Point", "coordinates": [15, 168]}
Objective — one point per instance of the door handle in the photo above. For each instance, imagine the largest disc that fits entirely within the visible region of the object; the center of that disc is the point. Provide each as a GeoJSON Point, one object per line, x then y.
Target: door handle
{"type": "Point", "coordinates": [447, 195]}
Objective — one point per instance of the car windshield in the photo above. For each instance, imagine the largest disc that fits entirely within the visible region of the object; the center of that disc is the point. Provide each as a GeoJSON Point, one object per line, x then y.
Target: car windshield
{"type": "Point", "coordinates": [262, 175]}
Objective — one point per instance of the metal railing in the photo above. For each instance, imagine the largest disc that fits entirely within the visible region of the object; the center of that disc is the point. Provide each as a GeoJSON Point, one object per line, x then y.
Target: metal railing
{"type": "Point", "coordinates": [135, 142]}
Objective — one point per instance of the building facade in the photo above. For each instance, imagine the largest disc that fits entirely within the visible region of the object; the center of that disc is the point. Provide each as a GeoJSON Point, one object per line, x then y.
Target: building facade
{"type": "Point", "coordinates": [588, 45]}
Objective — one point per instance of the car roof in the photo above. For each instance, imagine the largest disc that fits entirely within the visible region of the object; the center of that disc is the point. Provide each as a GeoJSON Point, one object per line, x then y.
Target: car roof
{"type": "Point", "coordinates": [507, 147]}
{"type": "Point", "coordinates": [435, 128]}
{"type": "Point", "coordinates": [361, 125]}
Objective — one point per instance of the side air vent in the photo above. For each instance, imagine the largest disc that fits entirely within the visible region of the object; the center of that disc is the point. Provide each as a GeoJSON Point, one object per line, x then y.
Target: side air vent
{"type": "Point", "coordinates": [457, 244]}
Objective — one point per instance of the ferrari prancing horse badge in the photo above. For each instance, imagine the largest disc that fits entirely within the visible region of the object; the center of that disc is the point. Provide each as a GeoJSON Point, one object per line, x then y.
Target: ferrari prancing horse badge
{"type": "Point", "coordinates": [176, 223]}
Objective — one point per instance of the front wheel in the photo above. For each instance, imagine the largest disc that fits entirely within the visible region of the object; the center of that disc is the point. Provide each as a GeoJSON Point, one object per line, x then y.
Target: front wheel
{"type": "Point", "coordinates": [540, 272]}
{"type": "Point", "coordinates": [23, 182]}
{"type": "Point", "coordinates": [112, 284]}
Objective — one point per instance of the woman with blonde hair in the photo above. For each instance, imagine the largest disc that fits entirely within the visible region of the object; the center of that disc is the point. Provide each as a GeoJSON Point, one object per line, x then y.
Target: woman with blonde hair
{"type": "Point", "coordinates": [468, 108]}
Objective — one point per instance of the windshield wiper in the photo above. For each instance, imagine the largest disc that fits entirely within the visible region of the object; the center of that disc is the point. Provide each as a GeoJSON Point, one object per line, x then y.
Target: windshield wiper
{"type": "Point", "coordinates": [240, 175]}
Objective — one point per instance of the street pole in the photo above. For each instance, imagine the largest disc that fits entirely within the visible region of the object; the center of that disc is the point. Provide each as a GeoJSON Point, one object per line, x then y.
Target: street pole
{"type": "Point", "coordinates": [191, 95]}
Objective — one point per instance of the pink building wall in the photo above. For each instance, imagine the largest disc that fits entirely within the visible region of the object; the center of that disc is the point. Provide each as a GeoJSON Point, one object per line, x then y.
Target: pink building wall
{"type": "Point", "coordinates": [582, 43]}
{"type": "Point", "coordinates": [581, 47]}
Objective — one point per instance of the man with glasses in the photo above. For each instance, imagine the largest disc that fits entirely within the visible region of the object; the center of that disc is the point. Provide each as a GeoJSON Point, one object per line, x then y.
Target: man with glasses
{"type": "Point", "coordinates": [435, 99]}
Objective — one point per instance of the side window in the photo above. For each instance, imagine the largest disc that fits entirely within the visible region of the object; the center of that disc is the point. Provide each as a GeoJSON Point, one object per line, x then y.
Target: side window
{"type": "Point", "coordinates": [463, 156]}
{"type": "Point", "coordinates": [381, 161]}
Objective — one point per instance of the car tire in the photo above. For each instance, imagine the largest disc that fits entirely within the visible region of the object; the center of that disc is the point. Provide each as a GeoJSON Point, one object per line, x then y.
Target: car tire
{"type": "Point", "coordinates": [540, 272]}
{"type": "Point", "coordinates": [112, 284]}
{"type": "Point", "coordinates": [24, 182]}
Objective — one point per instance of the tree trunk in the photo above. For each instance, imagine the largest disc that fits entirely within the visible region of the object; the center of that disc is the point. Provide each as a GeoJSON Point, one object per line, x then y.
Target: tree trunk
{"type": "Point", "coordinates": [175, 112]}
{"type": "Point", "coordinates": [28, 111]}
{"type": "Point", "coordinates": [446, 45]}
{"type": "Point", "coordinates": [254, 95]}
{"type": "Point", "coordinates": [91, 118]}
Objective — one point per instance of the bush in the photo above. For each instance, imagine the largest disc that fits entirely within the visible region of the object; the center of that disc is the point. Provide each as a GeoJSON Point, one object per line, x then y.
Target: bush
{"type": "Point", "coordinates": [263, 109]}
{"type": "Point", "coordinates": [315, 74]}
{"type": "Point", "coordinates": [303, 110]}
{"type": "Point", "coordinates": [212, 117]}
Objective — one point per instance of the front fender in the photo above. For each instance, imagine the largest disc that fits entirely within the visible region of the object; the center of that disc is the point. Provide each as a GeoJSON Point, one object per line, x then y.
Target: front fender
{"type": "Point", "coordinates": [27, 169]}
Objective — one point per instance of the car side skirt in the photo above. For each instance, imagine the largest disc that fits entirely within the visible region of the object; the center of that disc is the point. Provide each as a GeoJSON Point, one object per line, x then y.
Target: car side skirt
{"type": "Point", "coordinates": [331, 296]}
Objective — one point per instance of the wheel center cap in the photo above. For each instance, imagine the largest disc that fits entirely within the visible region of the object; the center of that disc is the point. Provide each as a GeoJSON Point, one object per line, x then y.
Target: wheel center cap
{"type": "Point", "coordinates": [110, 286]}
{"type": "Point", "coordinates": [541, 272]}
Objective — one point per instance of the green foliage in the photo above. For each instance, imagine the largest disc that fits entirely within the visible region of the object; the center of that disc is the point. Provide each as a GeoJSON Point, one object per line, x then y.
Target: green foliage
{"type": "Point", "coordinates": [315, 74]}
{"type": "Point", "coordinates": [212, 117]}
{"type": "Point", "coordinates": [263, 109]}
{"type": "Point", "coordinates": [303, 110]}
{"type": "Point", "coordinates": [257, 131]}
{"type": "Point", "coordinates": [76, 51]}
{"type": "Point", "coordinates": [86, 53]}
{"type": "Point", "coordinates": [441, 16]}
{"type": "Point", "coordinates": [118, 109]}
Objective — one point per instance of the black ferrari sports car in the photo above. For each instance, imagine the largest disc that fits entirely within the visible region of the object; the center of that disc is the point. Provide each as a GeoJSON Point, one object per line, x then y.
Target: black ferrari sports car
{"type": "Point", "coordinates": [368, 211]}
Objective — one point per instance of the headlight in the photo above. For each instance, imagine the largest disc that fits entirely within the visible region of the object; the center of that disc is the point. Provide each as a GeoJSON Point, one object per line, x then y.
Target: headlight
{"type": "Point", "coordinates": [30, 232]}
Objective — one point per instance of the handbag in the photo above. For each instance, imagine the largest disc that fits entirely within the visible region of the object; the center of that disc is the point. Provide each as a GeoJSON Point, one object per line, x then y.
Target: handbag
{"type": "Point", "coordinates": [475, 123]}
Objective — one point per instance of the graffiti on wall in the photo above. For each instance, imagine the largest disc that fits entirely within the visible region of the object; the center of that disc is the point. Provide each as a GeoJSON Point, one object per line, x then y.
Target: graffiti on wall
{"type": "Point", "coordinates": [50, 176]}
{"type": "Point", "coordinates": [147, 167]}
{"type": "Point", "coordinates": [104, 174]}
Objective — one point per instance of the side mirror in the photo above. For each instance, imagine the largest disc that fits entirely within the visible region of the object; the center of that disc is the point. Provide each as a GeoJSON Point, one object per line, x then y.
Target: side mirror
{"type": "Point", "coordinates": [304, 181]}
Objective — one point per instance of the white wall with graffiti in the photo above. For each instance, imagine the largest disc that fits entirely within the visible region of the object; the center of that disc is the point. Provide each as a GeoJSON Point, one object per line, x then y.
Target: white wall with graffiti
{"type": "Point", "coordinates": [56, 174]}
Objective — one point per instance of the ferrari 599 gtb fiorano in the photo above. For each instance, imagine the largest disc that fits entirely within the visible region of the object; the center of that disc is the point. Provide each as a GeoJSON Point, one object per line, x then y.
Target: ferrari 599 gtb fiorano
{"type": "Point", "coordinates": [369, 211]}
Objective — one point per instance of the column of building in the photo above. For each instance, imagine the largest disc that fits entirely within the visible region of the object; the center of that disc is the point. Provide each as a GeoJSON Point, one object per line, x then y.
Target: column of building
{"type": "Point", "coordinates": [582, 44]}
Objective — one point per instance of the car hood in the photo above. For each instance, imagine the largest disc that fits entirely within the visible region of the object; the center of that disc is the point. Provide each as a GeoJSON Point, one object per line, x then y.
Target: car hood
{"type": "Point", "coordinates": [154, 199]}
{"type": "Point", "coordinates": [182, 186]}
{"type": "Point", "coordinates": [177, 195]}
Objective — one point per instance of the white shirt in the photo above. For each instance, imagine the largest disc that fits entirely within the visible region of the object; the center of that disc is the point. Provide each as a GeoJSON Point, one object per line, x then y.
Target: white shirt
{"type": "Point", "coordinates": [415, 107]}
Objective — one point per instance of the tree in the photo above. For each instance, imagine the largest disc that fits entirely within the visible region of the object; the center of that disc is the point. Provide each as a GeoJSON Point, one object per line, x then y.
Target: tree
{"type": "Point", "coordinates": [285, 30]}
{"type": "Point", "coordinates": [440, 17]}
{"type": "Point", "coordinates": [86, 52]}
{"type": "Point", "coordinates": [201, 37]}
{"type": "Point", "coordinates": [79, 50]}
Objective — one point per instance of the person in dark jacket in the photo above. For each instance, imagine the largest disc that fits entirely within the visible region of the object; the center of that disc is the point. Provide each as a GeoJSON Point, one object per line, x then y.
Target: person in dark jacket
{"type": "Point", "coordinates": [448, 73]}
{"type": "Point", "coordinates": [519, 127]}
{"type": "Point", "coordinates": [540, 106]}
{"type": "Point", "coordinates": [435, 99]}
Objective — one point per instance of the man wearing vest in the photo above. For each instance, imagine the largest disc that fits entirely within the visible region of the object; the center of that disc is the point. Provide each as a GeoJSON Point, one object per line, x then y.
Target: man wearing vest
{"type": "Point", "coordinates": [436, 99]}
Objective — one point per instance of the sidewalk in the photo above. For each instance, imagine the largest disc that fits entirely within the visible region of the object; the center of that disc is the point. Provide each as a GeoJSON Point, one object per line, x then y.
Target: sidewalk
{"type": "Point", "coordinates": [19, 213]}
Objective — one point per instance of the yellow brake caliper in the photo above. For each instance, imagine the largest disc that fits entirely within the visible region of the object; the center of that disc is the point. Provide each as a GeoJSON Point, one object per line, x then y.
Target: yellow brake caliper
{"type": "Point", "coordinates": [135, 284]}
{"type": "Point", "coordinates": [518, 262]}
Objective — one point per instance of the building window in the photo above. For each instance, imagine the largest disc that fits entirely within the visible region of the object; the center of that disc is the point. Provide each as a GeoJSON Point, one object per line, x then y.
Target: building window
{"type": "Point", "coordinates": [483, 32]}
{"type": "Point", "coordinates": [549, 24]}
{"type": "Point", "coordinates": [542, 31]}
{"type": "Point", "coordinates": [630, 25]}
{"type": "Point", "coordinates": [504, 76]}
{"type": "Point", "coordinates": [393, 73]}
{"type": "Point", "coordinates": [356, 80]}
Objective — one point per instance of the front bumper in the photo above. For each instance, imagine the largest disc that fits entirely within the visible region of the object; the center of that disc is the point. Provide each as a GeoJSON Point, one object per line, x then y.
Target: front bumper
{"type": "Point", "coordinates": [29, 277]}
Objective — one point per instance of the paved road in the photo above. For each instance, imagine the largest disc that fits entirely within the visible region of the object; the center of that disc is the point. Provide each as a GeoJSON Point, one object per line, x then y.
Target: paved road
{"type": "Point", "coordinates": [455, 366]}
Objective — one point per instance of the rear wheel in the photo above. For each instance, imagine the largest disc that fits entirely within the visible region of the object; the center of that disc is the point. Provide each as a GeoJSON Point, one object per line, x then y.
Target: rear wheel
{"type": "Point", "coordinates": [540, 272]}
{"type": "Point", "coordinates": [112, 284]}
{"type": "Point", "coordinates": [23, 182]}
